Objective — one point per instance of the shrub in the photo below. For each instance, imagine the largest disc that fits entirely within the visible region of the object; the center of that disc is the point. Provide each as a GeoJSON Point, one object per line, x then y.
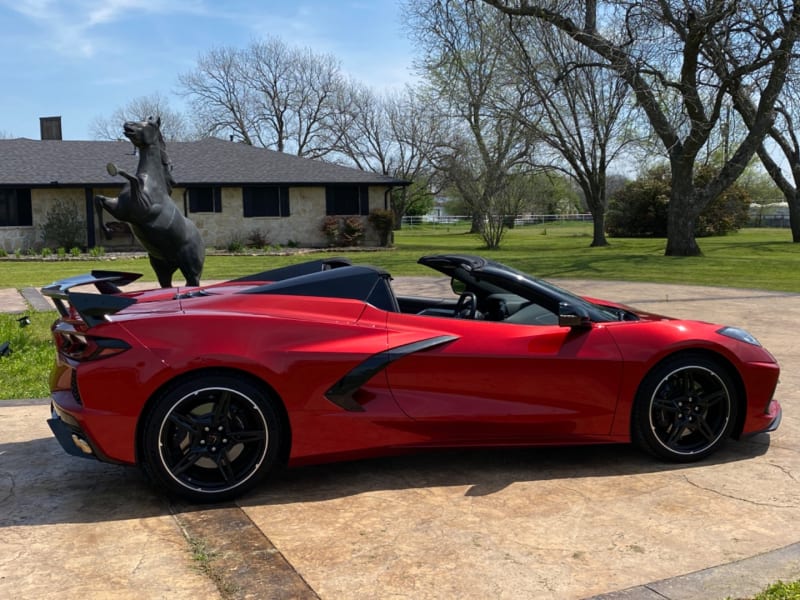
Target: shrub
{"type": "Point", "coordinates": [46, 252]}
{"type": "Point", "coordinates": [640, 208]}
{"type": "Point", "coordinates": [352, 231]}
{"type": "Point", "coordinates": [61, 252]}
{"type": "Point", "coordinates": [235, 245]}
{"type": "Point", "coordinates": [75, 251]}
{"type": "Point", "coordinates": [257, 239]}
{"type": "Point", "coordinates": [64, 225]}
{"type": "Point", "coordinates": [726, 213]}
{"type": "Point", "coordinates": [330, 229]}
{"type": "Point", "coordinates": [97, 251]}
{"type": "Point", "coordinates": [3, 253]}
{"type": "Point", "coordinates": [383, 222]}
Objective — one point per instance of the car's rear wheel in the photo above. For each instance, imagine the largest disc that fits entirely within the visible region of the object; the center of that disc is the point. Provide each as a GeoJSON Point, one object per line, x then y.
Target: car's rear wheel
{"type": "Point", "coordinates": [211, 438]}
{"type": "Point", "coordinates": [685, 408]}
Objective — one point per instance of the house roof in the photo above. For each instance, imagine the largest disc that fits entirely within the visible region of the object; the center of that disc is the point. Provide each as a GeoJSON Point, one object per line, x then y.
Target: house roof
{"type": "Point", "coordinates": [25, 162]}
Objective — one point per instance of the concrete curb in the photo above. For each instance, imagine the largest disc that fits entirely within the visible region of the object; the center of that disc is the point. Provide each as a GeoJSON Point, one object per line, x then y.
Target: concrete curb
{"type": "Point", "coordinates": [744, 577]}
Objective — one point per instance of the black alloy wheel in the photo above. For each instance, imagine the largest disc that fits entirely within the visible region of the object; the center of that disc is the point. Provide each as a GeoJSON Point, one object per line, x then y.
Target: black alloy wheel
{"type": "Point", "coordinates": [211, 439]}
{"type": "Point", "coordinates": [685, 409]}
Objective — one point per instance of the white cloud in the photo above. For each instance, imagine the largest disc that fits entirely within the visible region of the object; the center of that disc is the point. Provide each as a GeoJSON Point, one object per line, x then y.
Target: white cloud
{"type": "Point", "coordinates": [73, 28]}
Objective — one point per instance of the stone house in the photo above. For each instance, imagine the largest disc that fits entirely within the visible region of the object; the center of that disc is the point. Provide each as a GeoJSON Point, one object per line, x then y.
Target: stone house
{"type": "Point", "coordinates": [229, 190]}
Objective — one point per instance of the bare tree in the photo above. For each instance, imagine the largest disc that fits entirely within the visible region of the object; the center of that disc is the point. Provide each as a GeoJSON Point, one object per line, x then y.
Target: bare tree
{"type": "Point", "coordinates": [174, 125]}
{"type": "Point", "coordinates": [398, 134]}
{"type": "Point", "coordinates": [664, 50]}
{"type": "Point", "coordinates": [5, 135]}
{"type": "Point", "coordinates": [270, 95]}
{"type": "Point", "coordinates": [786, 142]}
{"type": "Point", "coordinates": [467, 75]}
{"type": "Point", "coordinates": [219, 96]}
{"type": "Point", "coordinates": [581, 113]}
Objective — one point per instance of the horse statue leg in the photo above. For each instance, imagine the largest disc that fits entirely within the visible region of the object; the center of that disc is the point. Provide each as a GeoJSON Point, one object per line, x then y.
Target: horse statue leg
{"type": "Point", "coordinates": [192, 254]}
{"type": "Point", "coordinates": [163, 271]}
{"type": "Point", "coordinates": [109, 204]}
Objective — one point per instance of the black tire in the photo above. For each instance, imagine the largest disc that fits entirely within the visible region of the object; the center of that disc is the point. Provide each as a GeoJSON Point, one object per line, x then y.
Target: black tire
{"type": "Point", "coordinates": [210, 439]}
{"type": "Point", "coordinates": [685, 408]}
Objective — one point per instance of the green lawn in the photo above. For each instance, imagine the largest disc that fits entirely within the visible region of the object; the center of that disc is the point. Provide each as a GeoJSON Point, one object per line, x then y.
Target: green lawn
{"type": "Point", "coordinates": [752, 258]}
{"type": "Point", "coordinates": [24, 372]}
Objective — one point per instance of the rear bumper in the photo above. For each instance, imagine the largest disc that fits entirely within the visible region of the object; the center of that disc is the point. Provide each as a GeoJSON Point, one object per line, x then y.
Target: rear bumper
{"type": "Point", "coordinates": [69, 434]}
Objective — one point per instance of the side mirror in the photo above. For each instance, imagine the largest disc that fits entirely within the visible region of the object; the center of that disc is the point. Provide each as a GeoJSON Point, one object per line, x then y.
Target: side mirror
{"type": "Point", "coordinates": [572, 316]}
{"type": "Point", "coordinates": [112, 169]}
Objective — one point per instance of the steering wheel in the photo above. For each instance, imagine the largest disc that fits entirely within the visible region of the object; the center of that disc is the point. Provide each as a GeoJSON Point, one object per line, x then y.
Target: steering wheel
{"type": "Point", "coordinates": [466, 306]}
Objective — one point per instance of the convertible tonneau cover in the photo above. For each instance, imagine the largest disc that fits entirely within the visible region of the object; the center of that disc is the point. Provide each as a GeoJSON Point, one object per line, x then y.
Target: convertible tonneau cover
{"type": "Point", "coordinates": [93, 308]}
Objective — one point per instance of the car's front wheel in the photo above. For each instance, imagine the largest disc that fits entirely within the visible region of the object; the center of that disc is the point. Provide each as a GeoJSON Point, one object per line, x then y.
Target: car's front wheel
{"type": "Point", "coordinates": [211, 438]}
{"type": "Point", "coordinates": [685, 408]}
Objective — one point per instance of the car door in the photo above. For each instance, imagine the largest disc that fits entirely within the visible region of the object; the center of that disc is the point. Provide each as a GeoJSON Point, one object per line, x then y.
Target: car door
{"type": "Point", "coordinates": [505, 381]}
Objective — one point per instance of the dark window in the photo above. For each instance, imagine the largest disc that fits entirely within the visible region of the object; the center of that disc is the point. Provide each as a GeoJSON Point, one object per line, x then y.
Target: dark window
{"type": "Point", "coordinates": [205, 199]}
{"type": "Point", "coordinates": [265, 201]}
{"type": "Point", "coordinates": [15, 208]}
{"type": "Point", "coordinates": [347, 200]}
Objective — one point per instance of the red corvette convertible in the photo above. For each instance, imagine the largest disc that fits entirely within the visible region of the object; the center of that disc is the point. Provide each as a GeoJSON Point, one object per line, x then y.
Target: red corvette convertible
{"type": "Point", "coordinates": [210, 388]}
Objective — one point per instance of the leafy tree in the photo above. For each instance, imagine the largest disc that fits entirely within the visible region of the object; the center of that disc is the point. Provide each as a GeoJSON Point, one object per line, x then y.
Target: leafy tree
{"type": "Point", "coordinates": [469, 79]}
{"type": "Point", "coordinates": [581, 113]}
{"type": "Point", "coordinates": [788, 144]}
{"type": "Point", "coordinates": [397, 134]}
{"type": "Point", "coordinates": [640, 208]}
{"type": "Point", "coordinates": [64, 227]}
{"type": "Point", "coordinates": [724, 214]}
{"type": "Point", "coordinates": [759, 186]}
{"type": "Point", "coordinates": [682, 62]}
{"type": "Point", "coordinates": [417, 199]}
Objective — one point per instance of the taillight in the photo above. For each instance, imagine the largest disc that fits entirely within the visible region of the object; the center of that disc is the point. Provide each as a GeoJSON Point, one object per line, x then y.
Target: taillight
{"type": "Point", "coordinates": [82, 348]}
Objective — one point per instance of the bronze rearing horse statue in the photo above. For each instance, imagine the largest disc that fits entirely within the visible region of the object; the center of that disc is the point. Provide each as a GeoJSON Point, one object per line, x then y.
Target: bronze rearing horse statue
{"type": "Point", "coordinates": [172, 241]}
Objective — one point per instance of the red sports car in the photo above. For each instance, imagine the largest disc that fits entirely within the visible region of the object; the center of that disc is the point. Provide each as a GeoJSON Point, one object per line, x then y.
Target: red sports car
{"type": "Point", "coordinates": [210, 388]}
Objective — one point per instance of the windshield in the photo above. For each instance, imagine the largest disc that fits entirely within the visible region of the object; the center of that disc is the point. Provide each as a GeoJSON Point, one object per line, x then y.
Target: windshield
{"type": "Point", "coordinates": [599, 312]}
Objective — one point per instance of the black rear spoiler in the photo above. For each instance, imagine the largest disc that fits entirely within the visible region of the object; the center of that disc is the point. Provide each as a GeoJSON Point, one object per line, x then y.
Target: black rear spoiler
{"type": "Point", "coordinates": [92, 308]}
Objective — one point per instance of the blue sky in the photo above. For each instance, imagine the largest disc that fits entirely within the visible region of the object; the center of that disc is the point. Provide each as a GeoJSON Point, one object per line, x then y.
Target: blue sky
{"type": "Point", "coordinates": [81, 59]}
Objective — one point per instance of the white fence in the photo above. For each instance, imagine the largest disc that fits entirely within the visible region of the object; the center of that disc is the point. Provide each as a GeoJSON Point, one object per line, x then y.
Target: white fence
{"type": "Point", "coordinates": [434, 219]}
{"type": "Point", "coordinates": [772, 215]}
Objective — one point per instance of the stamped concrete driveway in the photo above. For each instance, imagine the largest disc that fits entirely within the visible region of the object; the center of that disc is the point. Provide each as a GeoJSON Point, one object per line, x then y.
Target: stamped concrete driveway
{"type": "Point", "coordinates": [532, 523]}
{"type": "Point", "coordinates": [550, 523]}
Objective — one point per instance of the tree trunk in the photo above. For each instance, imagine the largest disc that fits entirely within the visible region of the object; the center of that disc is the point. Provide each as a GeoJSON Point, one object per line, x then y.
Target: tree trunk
{"type": "Point", "coordinates": [794, 215]}
{"type": "Point", "coordinates": [477, 222]}
{"type": "Point", "coordinates": [599, 229]}
{"type": "Point", "coordinates": [682, 212]}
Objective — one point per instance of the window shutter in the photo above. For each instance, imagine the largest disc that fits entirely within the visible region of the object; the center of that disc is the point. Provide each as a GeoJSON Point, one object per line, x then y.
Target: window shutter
{"type": "Point", "coordinates": [283, 194]}
{"type": "Point", "coordinates": [363, 199]}
{"type": "Point", "coordinates": [247, 202]}
{"type": "Point", "coordinates": [330, 209]}
{"type": "Point", "coordinates": [25, 214]}
{"type": "Point", "coordinates": [217, 199]}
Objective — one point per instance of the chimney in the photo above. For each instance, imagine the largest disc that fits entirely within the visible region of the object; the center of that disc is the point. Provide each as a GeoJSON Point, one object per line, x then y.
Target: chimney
{"type": "Point", "coordinates": [50, 128]}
